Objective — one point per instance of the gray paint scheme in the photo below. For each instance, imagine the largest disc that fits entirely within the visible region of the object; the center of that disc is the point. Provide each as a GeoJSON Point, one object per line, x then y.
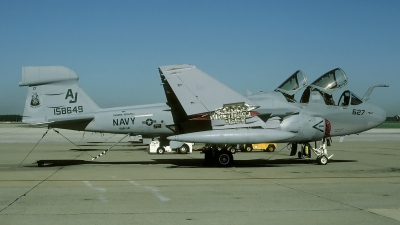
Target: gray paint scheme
{"type": "Point", "coordinates": [197, 91]}
{"type": "Point", "coordinates": [318, 118]}
{"type": "Point", "coordinates": [55, 98]}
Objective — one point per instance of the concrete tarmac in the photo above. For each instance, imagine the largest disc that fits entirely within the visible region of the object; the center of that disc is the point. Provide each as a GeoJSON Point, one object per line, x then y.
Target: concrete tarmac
{"type": "Point", "coordinates": [360, 185]}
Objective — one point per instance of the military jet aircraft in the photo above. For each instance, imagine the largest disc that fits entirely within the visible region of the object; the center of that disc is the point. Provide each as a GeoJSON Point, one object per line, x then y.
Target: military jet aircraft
{"type": "Point", "coordinates": [56, 100]}
{"type": "Point", "coordinates": [205, 110]}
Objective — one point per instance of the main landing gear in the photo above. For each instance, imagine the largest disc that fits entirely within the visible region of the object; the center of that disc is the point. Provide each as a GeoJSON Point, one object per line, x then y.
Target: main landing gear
{"type": "Point", "coordinates": [306, 149]}
{"type": "Point", "coordinates": [217, 156]}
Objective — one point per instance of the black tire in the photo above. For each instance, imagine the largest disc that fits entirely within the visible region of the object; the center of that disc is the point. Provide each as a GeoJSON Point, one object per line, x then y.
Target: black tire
{"type": "Point", "coordinates": [206, 148]}
{"type": "Point", "coordinates": [208, 157]}
{"type": "Point", "coordinates": [184, 149]}
{"type": "Point", "coordinates": [299, 155]}
{"type": "Point", "coordinates": [160, 150]}
{"type": "Point", "coordinates": [224, 158]}
{"type": "Point", "coordinates": [248, 148]}
{"type": "Point", "coordinates": [270, 148]}
{"type": "Point", "coordinates": [322, 160]}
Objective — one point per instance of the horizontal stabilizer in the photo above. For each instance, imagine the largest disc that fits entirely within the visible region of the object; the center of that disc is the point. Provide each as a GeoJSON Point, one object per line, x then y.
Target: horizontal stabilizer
{"type": "Point", "coordinates": [71, 118]}
{"type": "Point", "coordinates": [58, 120]}
{"type": "Point", "coordinates": [39, 75]}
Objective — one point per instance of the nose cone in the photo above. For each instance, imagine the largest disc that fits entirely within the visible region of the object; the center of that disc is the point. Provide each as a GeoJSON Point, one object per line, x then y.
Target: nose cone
{"type": "Point", "coordinates": [377, 117]}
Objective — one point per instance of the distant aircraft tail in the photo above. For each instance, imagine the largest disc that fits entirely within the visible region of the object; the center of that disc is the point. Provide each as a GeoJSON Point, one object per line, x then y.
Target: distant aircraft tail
{"type": "Point", "coordinates": [54, 96]}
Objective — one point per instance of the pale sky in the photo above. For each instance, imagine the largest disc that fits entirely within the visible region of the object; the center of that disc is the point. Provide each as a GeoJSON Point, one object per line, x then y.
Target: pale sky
{"type": "Point", "coordinates": [116, 46]}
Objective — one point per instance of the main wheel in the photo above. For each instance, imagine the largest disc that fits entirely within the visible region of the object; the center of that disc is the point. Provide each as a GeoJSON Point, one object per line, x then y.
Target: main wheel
{"type": "Point", "coordinates": [322, 160]}
{"type": "Point", "coordinates": [160, 150]}
{"type": "Point", "coordinates": [208, 157]}
{"type": "Point", "coordinates": [270, 148]}
{"type": "Point", "coordinates": [224, 158]}
{"type": "Point", "coordinates": [183, 149]}
{"type": "Point", "coordinates": [232, 150]}
{"type": "Point", "coordinates": [299, 155]}
{"type": "Point", "coordinates": [249, 148]}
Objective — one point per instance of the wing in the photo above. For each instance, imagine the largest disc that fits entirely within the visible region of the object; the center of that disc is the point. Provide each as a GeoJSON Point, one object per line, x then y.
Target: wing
{"type": "Point", "coordinates": [198, 100]}
{"type": "Point", "coordinates": [205, 110]}
{"type": "Point", "coordinates": [196, 91]}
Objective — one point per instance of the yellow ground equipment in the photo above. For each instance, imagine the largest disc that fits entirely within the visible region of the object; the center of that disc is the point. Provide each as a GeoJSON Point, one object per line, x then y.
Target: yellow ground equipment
{"type": "Point", "coordinates": [266, 147]}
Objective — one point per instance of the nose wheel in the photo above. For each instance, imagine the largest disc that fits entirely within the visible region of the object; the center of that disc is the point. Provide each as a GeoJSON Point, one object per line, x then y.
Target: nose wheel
{"type": "Point", "coordinates": [322, 160]}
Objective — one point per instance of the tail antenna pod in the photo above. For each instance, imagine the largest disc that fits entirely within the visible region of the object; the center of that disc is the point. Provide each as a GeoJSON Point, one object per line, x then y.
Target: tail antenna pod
{"type": "Point", "coordinates": [368, 93]}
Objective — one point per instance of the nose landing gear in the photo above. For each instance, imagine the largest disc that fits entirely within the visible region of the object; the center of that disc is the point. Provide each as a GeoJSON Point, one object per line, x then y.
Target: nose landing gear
{"type": "Point", "coordinates": [305, 152]}
{"type": "Point", "coordinates": [322, 154]}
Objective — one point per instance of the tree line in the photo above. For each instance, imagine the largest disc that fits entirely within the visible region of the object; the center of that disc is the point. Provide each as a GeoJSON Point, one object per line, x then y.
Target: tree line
{"type": "Point", "coordinates": [10, 118]}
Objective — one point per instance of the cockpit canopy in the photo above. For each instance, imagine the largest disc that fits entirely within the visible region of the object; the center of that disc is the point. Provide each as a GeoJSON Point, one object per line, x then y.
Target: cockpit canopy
{"type": "Point", "coordinates": [326, 85]}
{"type": "Point", "coordinates": [292, 85]}
{"type": "Point", "coordinates": [330, 81]}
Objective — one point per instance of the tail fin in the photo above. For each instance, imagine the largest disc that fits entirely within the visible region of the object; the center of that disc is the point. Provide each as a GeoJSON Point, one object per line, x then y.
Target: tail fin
{"type": "Point", "coordinates": [54, 95]}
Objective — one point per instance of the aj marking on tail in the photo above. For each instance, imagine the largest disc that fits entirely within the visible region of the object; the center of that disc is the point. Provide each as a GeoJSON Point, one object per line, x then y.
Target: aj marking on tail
{"type": "Point", "coordinates": [71, 95]}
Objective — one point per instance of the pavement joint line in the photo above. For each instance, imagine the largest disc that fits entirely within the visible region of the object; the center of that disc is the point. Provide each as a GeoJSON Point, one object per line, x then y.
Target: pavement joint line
{"type": "Point", "coordinates": [332, 200]}
{"type": "Point", "coordinates": [318, 196]}
{"type": "Point", "coordinates": [370, 153]}
{"type": "Point", "coordinates": [201, 179]}
{"type": "Point", "coordinates": [41, 181]}
{"type": "Point", "coordinates": [23, 195]}
{"type": "Point", "coordinates": [179, 212]}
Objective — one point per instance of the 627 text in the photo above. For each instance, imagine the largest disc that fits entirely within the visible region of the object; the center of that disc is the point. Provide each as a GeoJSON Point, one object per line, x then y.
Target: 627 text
{"type": "Point", "coordinates": [358, 112]}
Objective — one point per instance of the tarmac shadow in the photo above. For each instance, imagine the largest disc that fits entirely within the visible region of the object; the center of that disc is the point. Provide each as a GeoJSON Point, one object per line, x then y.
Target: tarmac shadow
{"type": "Point", "coordinates": [186, 163]}
{"type": "Point", "coordinates": [102, 149]}
{"type": "Point", "coordinates": [86, 150]}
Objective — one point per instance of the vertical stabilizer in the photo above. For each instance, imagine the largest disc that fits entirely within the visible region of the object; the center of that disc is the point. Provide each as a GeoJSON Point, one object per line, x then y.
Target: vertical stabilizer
{"type": "Point", "coordinates": [54, 95]}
